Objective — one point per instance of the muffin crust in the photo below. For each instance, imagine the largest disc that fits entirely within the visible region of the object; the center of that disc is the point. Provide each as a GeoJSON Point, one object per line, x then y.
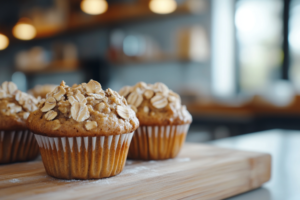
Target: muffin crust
{"type": "Point", "coordinates": [15, 107]}
{"type": "Point", "coordinates": [155, 104]}
{"type": "Point", "coordinates": [83, 110]}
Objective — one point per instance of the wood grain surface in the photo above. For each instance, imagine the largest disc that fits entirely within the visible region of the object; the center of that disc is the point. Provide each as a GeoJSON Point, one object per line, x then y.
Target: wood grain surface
{"type": "Point", "coordinates": [199, 172]}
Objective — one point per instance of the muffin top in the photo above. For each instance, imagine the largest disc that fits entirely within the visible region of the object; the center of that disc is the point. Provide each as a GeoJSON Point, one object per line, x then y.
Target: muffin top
{"type": "Point", "coordinates": [15, 107]}
{"type": "Point", "coordinates": [41, 90]}
{"type": "Point", "coordinates": [156, 104]}
{"type": "Point", "coordinates": [83, 110]}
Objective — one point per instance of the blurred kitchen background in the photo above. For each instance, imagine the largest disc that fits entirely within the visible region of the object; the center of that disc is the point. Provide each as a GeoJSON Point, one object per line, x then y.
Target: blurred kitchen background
{"type": "Point", "coordinates": [235, 63]}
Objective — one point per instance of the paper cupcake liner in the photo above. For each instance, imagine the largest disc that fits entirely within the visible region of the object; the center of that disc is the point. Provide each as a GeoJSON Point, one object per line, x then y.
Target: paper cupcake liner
{"type": "Point", "coordinates": [157, 142]}
{"type": "Point", "coordinates": [17, 146]}
{"type": "Point", "coordinates": [84, 157]}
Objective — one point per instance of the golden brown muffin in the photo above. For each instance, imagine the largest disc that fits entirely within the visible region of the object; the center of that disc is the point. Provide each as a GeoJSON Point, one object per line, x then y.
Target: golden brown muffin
{"type": "Point", "coordinates": [16, 141]}
{"type": "Point", "coordinates": [41, 90]}
{"type": "Point", "coordinates": [164, 122]}
{"type": "Point", "coordinates": [83, 131]}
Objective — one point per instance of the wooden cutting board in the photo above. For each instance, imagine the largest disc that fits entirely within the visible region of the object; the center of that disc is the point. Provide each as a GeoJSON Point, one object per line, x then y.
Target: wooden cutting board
{"type": "Point", "coordinates": [199, 172]}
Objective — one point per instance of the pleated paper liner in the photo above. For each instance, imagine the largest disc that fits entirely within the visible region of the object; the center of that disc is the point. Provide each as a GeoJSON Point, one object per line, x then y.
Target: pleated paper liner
{"type": "Point", "coordinates": [84, 157]}
{"type": "Point", "coordinates": [157, 142]}
{"type": "Point", "coordinates": [17, 146]}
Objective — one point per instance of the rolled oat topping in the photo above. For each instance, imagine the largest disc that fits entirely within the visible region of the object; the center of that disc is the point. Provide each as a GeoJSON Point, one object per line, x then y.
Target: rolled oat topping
{"type": "Point", "coordinates": [88, 103]}
{"type": "Point", "coordinates": [14, 102]}
{"type": "Point", "coordinates": [123, 112]}
{"type": "Point", "coordinates": [91, 125]}
{"type": "Point", "coordinates": [156, 104]}
{"type": "Point", "coordinates": [158, 94]}
{"type": "Point", "coordinates": [50, 115]}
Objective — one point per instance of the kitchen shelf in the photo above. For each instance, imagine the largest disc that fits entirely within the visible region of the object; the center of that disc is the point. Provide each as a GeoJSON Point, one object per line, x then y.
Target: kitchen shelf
{"type": "Point", "coordinates": [116, 14]}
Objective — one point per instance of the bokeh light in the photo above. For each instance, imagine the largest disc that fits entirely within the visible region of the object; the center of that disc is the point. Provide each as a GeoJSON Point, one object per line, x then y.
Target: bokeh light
{"type": "Point", "coordinates": [24, 31]}
{"type": "Point", "coordinates": [4, 41]}
{"type": "Point", "coordinates": [94, 7]}
{"type": "Point", "coordinates": [162, 6]}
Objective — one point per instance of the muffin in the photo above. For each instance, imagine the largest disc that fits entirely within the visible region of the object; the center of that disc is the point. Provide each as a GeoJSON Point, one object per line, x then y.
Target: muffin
{"type": "Point", "coordinates": [41, 90]}
{"type": "Point", "coordinates": [83, 131]}
{"type": "Point", "coordinates": [164, 122]}
{"type": "Point", "coordinates": [17, 143]}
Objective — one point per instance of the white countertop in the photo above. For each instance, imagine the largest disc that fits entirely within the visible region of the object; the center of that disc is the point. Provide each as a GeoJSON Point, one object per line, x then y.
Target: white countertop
{"type": "Point", "coordinates": [284, 146]}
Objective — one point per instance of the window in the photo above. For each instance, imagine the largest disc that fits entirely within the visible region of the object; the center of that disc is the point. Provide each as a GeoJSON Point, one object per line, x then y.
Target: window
{"type": "Point", "coordinates": [294, 43]}
{"type": "Point", "coordinates": [259, 40]}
